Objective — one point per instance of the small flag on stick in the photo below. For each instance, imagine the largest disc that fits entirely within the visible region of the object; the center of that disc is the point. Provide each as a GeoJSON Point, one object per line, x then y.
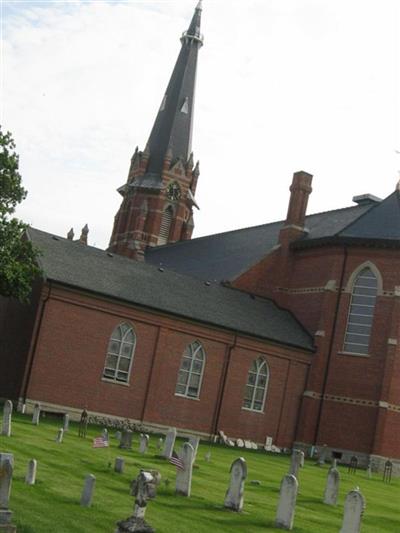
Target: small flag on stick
{"type": "Point", "coordinates": [100, 442]}
{"type": "Point", "coordinates": [174, 460]}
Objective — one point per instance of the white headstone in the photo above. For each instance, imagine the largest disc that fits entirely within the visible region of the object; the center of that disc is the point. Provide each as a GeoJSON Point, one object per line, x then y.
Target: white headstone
{"type": "Point", "coordinates": [296, 462]}
{"type": "Point", "coordinates": [287, 502]}
{"type": "Point", "coordinates": [60, 436]}
{"type": "Point", "coordinates": [36, 414]}
{"type": "Point", "coordinates": [332, 487]}
{"type": "Point", "coordinates": [268, 444]}
{"type": "Point", "coordinates": [7, 414]}
{"type": "Point", "coordinates": [169, 443]}
{"type": "Point", "coordinates": [247, 444]}
{"type": "Point", "coordinates": [143, 443]}
{"type": "Point", "coordinates": [354, 506]}
{"type": "Point", "coordinates": [254, 446]}
{"type": "Point", "coordinates": [30, 478]}
{"type": "Point", "coordinates": [235, 492]}
{"type": "Point", "coordinates": [184, 476]}
{"type": "Point", "coordinates": [66, 422]}
{"type": "Point", "coordinates": [119, 465]}
{"type": "Point", "coordinates": [239, 443]}
{"type": "Point", "coordinates": [104, 434]}
{"type": "Point", "coordinates": [194, 441]}
{"type": "Point", "coordinates": [88, 490]}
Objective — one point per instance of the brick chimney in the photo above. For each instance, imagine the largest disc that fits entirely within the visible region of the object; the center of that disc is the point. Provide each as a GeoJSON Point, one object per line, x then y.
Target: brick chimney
{"type": "Point", "coordinates": [300, 190]}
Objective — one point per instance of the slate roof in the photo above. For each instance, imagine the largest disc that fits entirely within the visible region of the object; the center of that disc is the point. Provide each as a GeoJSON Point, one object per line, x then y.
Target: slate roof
{"type": "Point", "coordinates": [91, 269]}
{"type": "Point", "coordinates": [224, 256]}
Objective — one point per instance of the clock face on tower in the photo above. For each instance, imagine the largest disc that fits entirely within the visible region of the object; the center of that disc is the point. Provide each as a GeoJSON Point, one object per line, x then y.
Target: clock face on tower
{"type": "Point", "coordinates": [173, 191]}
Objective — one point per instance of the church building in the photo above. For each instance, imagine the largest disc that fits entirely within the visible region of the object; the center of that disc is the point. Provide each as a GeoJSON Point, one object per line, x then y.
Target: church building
{"type": "Point", "coordinates": [287, 330]}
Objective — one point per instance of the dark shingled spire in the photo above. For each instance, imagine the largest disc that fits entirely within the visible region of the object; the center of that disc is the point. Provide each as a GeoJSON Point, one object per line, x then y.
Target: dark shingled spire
{"type": "Point", "coordinates": [172, 128]}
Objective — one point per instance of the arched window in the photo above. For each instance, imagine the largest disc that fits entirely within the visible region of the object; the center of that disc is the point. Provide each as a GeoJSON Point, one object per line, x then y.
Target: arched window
{"type": "Point", "coordinates": [361, 312]}
{"type": "Point", "coordinates": [191, 371]}
{"type": "Point", "coordinates": [166, 221]}
{"type": "Point", "coordinates": [121, 348]}
{"type": "Point", "coordinates": [257, 383]}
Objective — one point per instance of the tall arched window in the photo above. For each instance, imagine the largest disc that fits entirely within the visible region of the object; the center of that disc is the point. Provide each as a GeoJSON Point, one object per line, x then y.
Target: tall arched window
{"type": "Point", "coordinates": [191, 371]}
{"type": "Point", "coordinates": [257, 383]}
{"type": "Point", "coordinates": [166, 221]}
{"type": "Point", "coordinates": [361, 312]}
{"type": "Point", "coordinates": [121, 348]}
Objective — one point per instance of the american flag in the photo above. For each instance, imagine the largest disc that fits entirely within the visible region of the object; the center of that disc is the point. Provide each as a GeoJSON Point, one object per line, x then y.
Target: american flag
{"type": "Point", "coordinates": [174, 460]}
{"type": "Point", "coordinates": [100, 442]}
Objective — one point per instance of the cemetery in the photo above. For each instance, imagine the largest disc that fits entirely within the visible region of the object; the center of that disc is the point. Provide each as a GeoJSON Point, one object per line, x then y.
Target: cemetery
{"type": "Point", "coordinates": [57, 475]}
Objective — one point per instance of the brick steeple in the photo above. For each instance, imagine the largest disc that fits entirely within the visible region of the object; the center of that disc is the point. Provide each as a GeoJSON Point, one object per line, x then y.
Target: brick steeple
{"type": "Point", "coordinates": [158, 197]}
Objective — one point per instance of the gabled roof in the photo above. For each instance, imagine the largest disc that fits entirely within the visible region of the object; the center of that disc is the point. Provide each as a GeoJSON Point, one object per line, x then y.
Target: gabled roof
{"type": "Point", "coordinates": [84, 267]}
{"type": "Point", "coordinates": [224, 256]}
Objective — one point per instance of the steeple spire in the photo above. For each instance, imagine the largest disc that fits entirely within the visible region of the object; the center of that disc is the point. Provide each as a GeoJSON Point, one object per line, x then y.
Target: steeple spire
{"type": "Point", "coordinates": [172, 128]}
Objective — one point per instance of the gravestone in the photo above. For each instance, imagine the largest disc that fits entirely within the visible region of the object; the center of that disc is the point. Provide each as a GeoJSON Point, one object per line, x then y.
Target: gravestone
{"type": "Point", "coordinates": [369, 470]}
{"type": "Point", "coordinates": [104, 434]}
{"type": "Point", "coordinates": [6, 472]}
{"type": "Point", "coordinates": [88, 490]}
{"type": "Point", "coordinates": [239, 443]}
{"type": "Point", "coordinates": [332, 487]}
{"type": "Point", "coordinates": [7, 416]}
{"type": "Point", "coordinates": [235, 493]}
{"type": "Point", "coordinates": [353, 465]}
{"type": "Point", "coordinates": [354, 506]}
{"type": "Point", "coordinates": [126, 440]}
{"type": "Point", "coordinates": [169, 443]}
{"type": "Point", "coordinates": [160, 443]}
{"type": "Point", "coordinates": [247, 444]}
{"type": "Point", "coordinates": [60, 436]}
{"type": "Point", "coordinates": [334, 463]}
{"type": "Point", "coordinates": [207, 456]}
{"type": "Point", "coordinates": [143, 443]}
{"type": "Point", "coordinates": [119, 465]}
{"type": "Point", "coordinates": [144, 489]}
{"type": "Point", "coordinates": [287, 503]}
{"type": "Point", "coordinates": [118, 435]}
{"type": "Point", "coordinates": [83, 423]}
{"type": "Point", "coordinates": [36, 414]}
{"type": "Point", "coordinates": [66, 422]}
{"type": "Point", "coordinates": [194, 441]}
{"type": "Point", "coordinates": [183, 484]}
{"type": "Point", "coordinates": [296, 462]}
{"type": "Point", "coordinates": [387, 472]}
{"type": "Point", "coordinates": [30, 478]}
{"type": "Point", "coordinates": [323, 452]}
{"type": "Point", "coordinates": [268, 444]}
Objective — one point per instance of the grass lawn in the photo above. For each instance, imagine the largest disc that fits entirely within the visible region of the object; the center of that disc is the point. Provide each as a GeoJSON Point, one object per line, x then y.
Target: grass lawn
{"type": "Point", "coordinates": [52, 505]}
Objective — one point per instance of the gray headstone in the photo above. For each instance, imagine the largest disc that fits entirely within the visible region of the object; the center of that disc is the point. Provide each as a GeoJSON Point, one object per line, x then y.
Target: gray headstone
{"type": "Point", "coordinates": [30, 478]}
{"type": "Point", "coordinates": [296, 462]}
{"type": "Point", "coordinates": [143, 443]}
{"type": "Point", "coordinates": [104, 434]}
{"type": "Point", "coordinates": [119, 465]}
{"type": "Point", "coordinates": [332, 487]}
{"type": "Point", "coordinates": [323, 452]}
{"type": "Point", "coordinates": [118, 435]}
{"type": "Point", "coordinates": [36, 414]}
{"type": "Point", "coordinates": [354, 506]}
{"type": "Point", "coordinates": [66, 422]}
{"type": "Point", "coordinates": [369, 470]}
{"type": "Point", "coordinates": [88, 490]}
{"type": "Point", "coordinates": [6, 472]}
{"type": "Point", "coordinates": [169, 443]}
{"type": "Point", "coordinates": [287, 503]}
{"type": "Point", "coordinates": [60, 436]}
{"type": "Point", "coordinates": [7, 417]}
{"type": "Point", "coordinates": [126, 440]}
{"type": "Point", "coordinates": [184, 476]}
{"type": "Point", "coordinates": [234, 494]}
{"type": "Point", "coordinates": [194, 441]}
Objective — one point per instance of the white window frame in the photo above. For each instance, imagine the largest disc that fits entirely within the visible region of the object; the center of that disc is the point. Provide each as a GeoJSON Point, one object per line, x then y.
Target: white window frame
{"type": "Point", "coordinates": [260, 364]}
{"type": "Point", "coordinates": [193, 349]}
{"type": "Point", "coordinates": [118, 330]}
{"type": "Point", "coordinates": [353, 316]}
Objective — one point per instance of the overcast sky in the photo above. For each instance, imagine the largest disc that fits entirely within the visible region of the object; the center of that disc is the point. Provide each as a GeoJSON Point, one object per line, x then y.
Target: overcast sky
{"type": "Point", "coordinates": [282, 85]}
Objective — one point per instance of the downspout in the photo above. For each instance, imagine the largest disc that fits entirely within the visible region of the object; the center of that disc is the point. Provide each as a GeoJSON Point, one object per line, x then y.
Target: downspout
{"type": "Point", "coordinates": [326, 375]}
{"type": "Point", "coordinates": [146, 394]}
{"type": "Point", "coordinates": [217, 414]}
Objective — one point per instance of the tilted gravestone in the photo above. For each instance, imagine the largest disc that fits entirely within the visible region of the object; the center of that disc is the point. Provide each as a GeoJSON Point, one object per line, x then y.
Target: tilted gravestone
{"type": "Point", "coordinates": [332, 487]}
{"type": "Point", "coordinates": [296, 462]}
{"type": "Point", "coordinates": [144, 489]}
{"type": "Point", "coordinates": [354, 506]}
{"type": "Point", "coordinates": [287, 503]}
{"type": "Point", "coordinates": [88, 490]}
{"type": "Point", "coordinates": [30, 478]}
{"type": "Point", "coordinates": [6, 472]}
{"type": "Point", "coordinates": [7, 418]}
{"type": "Point", "coordinates": [126, 440]}
{"type": "Point", "coordinates": [66, 422]}
{"type": "Point", "coordinates": [119, 465]}
{"type": "Point", "coordinates": [235, 494]}
{"type": "Point", "coordinates": [183, 484]}
{"type": "Point", "coordinates": [169, 443]}
{"type": "Point", "coordinates": [36, 414]}
{"type": "Point", "coordinates": [143, 443]}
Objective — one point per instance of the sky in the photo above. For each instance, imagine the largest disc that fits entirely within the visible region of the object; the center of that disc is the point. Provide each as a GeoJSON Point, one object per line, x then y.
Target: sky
{"type": "Point", "coordinates": [282, 86]}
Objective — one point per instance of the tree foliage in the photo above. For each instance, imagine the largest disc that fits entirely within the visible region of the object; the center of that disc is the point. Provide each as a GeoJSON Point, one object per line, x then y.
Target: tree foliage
{"type": "Point", "coordinates": [18, 266]}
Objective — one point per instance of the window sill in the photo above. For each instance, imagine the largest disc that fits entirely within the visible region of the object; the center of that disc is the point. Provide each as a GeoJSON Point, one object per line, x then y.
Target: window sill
{"type": "Point", "coordinates": [187, 397]}
{"type": "Point", "coordinates": [355, 354]}
{"type": "Point", "coordinates": [114, 382]}
{"type": "Point", "coordinates": [253, 410]}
